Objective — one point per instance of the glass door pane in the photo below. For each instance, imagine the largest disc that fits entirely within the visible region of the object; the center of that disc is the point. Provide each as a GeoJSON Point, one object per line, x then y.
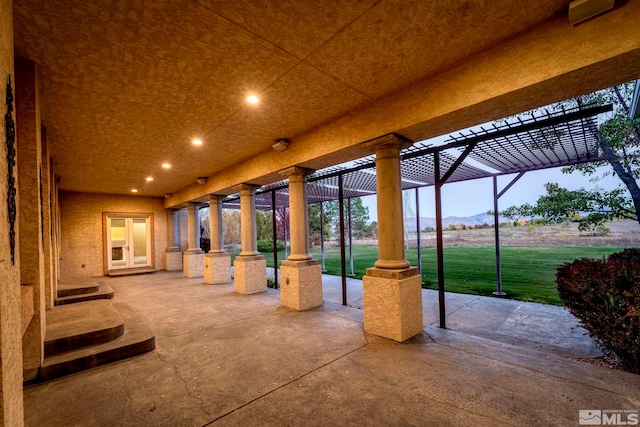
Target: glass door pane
{"type": "Point", "coordinates": [139, 233]}
{"type": "Point", "coordinates": [118, 247]}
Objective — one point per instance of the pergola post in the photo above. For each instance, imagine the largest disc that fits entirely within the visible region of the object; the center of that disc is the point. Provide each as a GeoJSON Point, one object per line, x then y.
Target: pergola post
{"type": "Point", "coordinates": [249, 268]}
{"type": "Point", "coordinates": [439, 241]}
{"type": "Point", "coordinates": [274, 225]}
{"type": "Point", "coordinates": [392, 293]}
{"type": "Point", "coordinates": [173, 254]}
{"type": "Point", "coordinates": [496, 231]}
{"type": "Point", "coordinates": [301, 286]}
{"type": "Point", "coordinates": [343, 264]}
{"type": "Point", "coordinates": [418, 237]}
{"type": "Point", "coordinates": [350, 237]}
{"type": "Point", "coordinates": [322, 237]}
{"type": "Point", "coordinates": [496, 227]}
{"type": "Point", "coordinates": [217, 263]}
{"type": "Point", "coordinates": [193, 258]}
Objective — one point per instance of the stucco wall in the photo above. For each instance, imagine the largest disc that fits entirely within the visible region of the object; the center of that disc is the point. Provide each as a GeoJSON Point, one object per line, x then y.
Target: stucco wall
{"type": "Point", "coordinates": [11, 407]}
{"type": "Point", "coordinates": [82, 242]}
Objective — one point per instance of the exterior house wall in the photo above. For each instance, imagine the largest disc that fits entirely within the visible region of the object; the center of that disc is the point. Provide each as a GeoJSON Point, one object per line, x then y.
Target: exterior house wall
{"type": "Point", "coordinates": [81, 222]}
{"type": "Point", "coordinates": [11, 405]}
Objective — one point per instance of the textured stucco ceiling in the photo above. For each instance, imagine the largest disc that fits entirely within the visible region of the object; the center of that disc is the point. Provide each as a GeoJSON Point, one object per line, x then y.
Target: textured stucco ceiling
{"type": "Point", "coordinates": [126, 85]}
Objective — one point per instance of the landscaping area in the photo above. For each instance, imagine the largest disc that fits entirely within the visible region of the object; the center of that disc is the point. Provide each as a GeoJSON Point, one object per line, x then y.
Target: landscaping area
{"type": "Point", "coordinates": [529, 259]}
{"type": "Point", "coordinates": [528, 273]}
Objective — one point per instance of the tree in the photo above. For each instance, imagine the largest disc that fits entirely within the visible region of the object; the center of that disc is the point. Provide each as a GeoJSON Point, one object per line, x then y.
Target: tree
{"type": "Point", "coordinates": [619, 141]}
{"type": "Point", "coordinates": [329, 212]}
{"type": "Point", "coordinates": [231, 226]}
{"type": "Point", "coordinates": [264, 225]}
{"type": "Point", "coordinates": [359, 218]}
{"type": "Point", "coordinates": [517, 213]}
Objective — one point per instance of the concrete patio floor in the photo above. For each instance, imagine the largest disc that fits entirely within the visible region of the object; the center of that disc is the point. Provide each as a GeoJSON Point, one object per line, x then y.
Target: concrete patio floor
{"type": "Point", "coordinates": [229, 359]}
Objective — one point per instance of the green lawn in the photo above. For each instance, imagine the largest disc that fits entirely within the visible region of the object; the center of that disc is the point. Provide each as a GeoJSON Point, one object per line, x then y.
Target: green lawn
{"type": "Point", "coordinates": [528, 273]}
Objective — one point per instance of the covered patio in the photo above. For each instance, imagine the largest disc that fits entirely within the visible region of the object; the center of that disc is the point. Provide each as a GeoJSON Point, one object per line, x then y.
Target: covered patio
{"type": "Point", "coordinates": [122, 118]}
{"type": "Point", "coordinates": [225, 359]}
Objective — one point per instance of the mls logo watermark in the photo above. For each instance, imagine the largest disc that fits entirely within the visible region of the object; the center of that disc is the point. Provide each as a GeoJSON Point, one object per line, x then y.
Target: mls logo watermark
{"type": "Point", "coordinates": [608, 417]}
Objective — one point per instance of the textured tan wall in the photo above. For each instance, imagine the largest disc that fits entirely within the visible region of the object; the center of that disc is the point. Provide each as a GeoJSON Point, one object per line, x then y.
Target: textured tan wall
{"type": "Point", "coordinates": [81, 237]}
{"type": "Point", "coordinates": [49, 282]}
{"type": "Point", "coordinates": [31, 251]}
{"type": "Point", "coordinates": [11, 406]}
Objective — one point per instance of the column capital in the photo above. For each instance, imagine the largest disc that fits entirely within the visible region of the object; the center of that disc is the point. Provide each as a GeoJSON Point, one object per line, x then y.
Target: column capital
{"type": "Point", "coordinates": [390, 140]}
{"type": "Point", "coordinates": [296, 171]}
{"type": "Point", "coordinates": [215, 198]}
{"type": "Point", "coordinates": [246, 187]}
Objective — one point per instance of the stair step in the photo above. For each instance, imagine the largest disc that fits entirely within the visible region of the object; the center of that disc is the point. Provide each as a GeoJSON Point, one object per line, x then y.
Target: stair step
{"type": "Point", "coordinates": [104, 291]}
{"type": "Point", "coordinates": [130, 271]}
{"type": "Point", "coordinates": [136, 340]}
{"type": "Point", "coordinates": [74, 326]}
{"type": "Point", "coordinates": [77, 287]}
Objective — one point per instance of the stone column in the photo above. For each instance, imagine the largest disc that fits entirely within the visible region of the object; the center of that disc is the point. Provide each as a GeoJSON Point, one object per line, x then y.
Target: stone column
{"type": "Point", "coordinates": [28, 141]}
{"type": "Point", "coordinates": [392, 290]}
{"type": "Point", "coordinates": [249, 268]}
{"type": "Point", "coordinates": [217, 263]}
{"type": "Point", "coordinates": [173, 255]}
{"type": "Point", "coordinates": [193, 258]}
{"type": "Point", "coordinates": [301, 282]}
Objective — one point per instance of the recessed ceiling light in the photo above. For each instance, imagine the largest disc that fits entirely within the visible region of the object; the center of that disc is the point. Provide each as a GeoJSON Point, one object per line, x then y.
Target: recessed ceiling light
{"type": "Point", "coordinates": [166, 166]}
{"type": "Point", "coordinates": [133, 190]}
{"type": "Point", "coordinates": [252, 99]}
{"type": "Point", "coordinates": [149, 178]}
{"type": "Point", "coordinates": [197, 141]}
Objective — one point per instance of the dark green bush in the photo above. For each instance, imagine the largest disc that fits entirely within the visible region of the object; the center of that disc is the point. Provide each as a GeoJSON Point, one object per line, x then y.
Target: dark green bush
{"type": "Point", "coordinates": [605, 296]}
{"type": "Point", "coordinates": [267, 245]}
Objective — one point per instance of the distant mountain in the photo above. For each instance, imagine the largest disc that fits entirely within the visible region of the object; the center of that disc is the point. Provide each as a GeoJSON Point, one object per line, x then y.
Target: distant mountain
{"type": "Point", "coordinates": [478, 219]}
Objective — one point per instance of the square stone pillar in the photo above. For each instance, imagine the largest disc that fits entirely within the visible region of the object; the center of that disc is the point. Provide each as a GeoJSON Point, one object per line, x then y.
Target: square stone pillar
{"type": "Point", "coordinates": [217, 263]}
{"type": "Point", "coordinates": [30, 214]}
{"type": "Point", "coordinates": [392, 301]}
{"type": "Point", "coordinates": [193, 264]}
{"type": "Point", "coordinates": [250, 274]}
{"type": "Point", "coordinates": [249, 268]}
{"type": "Point", "coordinates": [217, 268]}
{"type": "Point", "coordinates": [45, 184]}
{"type": "Point", "coordinates": [392, 290]}
{"type": "Point", "coordinates": [173, 259]}
{"type": "Point", "coordinates": [193, 258]}
{"type": "Point", "coordinates": [301, 284]}
{"type": "Point", "coordinates": [301, 275]}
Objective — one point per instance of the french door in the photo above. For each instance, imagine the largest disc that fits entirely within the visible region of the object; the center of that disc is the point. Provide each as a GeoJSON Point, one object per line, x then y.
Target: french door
{"type": "Point", "coordinates": [128, 241]}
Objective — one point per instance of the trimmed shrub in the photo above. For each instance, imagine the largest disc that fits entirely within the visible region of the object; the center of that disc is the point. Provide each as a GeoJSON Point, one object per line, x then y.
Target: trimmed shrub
{"type": "Point", "coordinates": [605, 295]}
{"type": "Point", "coordinates": [267, 245]}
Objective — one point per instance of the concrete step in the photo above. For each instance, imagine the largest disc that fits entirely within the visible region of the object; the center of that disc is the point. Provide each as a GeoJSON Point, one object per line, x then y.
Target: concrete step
{"type": "Point", "coordinates": [130, 272]}
{"type": "Point", "coordinates": [74, 326]}
{"type": "Point", "coordinates": [136, 340]}
{"type": "Point", "coordinates": [104, 291]}
{"type": "Point", "coordinates": [72, 291]}
{"type": "Point", "coordinates": [77, 287]}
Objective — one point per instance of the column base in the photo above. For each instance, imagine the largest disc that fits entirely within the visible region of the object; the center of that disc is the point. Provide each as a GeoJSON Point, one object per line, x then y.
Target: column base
{"type": "Point", "coordinates": [173, 259]}
{"type": "Point", "coordinates": [392, 303]}
{"type": "Point", "coordinates": [193, 264]}
{"type": "Point", "coordinates": [250, 274]}
{"type": "Point", "coordinates": [217, 268]}
{"type": "Point", "coordinates": [301, 284]}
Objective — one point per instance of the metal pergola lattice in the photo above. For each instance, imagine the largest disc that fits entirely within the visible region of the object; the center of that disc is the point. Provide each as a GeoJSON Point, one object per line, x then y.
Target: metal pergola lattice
{"type": "Point", "coordinates": [543, 140]}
